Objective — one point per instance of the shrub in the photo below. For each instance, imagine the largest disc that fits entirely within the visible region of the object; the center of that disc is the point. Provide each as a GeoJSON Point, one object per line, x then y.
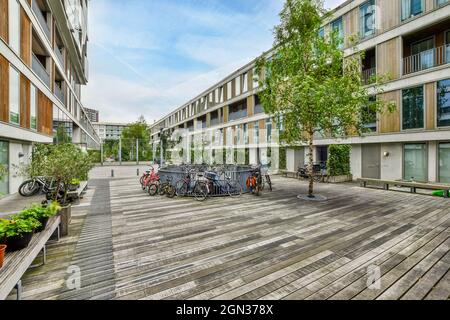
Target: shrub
{"type": "Point", "coordinates": [339, 160]}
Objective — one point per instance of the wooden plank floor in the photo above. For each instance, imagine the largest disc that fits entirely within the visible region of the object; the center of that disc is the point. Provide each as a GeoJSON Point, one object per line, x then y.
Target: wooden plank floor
{"type": "Point", "coordinates": [131, 246]}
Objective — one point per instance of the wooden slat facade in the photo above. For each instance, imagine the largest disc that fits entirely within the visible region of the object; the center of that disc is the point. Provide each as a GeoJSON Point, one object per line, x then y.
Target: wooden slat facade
{"type": "Point", "coordinates": [25, 38]}
{"type": "Point", "coordinates": [250, 106]}
{"type": "Point", "coordinates": [388, 58]}
{"type": "Point", "coordinates": [390, 122]}
{"type": "Point", "coordinates": [45, 114]}
{"type": "Point", "coordinates": [4, 20]}
{"type": "Point", "coordinates": [4, 89]}
{"type": "Point", "coordinates": [24, 102]}
{"type": "Point", "coordinates": [390, 14]}
{"type": "Point", "coordinates": [430, 105]}
{"type": "Point", "coordinates": [351, 25]}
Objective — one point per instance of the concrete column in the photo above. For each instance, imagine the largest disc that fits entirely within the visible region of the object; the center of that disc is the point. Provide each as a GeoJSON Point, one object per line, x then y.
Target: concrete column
{"type": "Point", "coordinates": [355, 161]}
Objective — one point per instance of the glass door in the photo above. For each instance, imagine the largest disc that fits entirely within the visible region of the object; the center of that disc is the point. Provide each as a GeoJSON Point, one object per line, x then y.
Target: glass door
{"type": "Point", "coordinates": [444, 162]}
{"type": "Point", "coordinates": [415, 162]}
{"type": "Point", "coordinates": [423, 54]}
{"type": "Point", "coordinates": [4, 165]}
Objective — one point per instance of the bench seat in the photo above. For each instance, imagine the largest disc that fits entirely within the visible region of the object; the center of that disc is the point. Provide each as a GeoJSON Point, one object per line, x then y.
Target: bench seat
{"type": "Point", "coordinates": [17, 263]}
{"type": "Point", "coordinates": [405, 184]}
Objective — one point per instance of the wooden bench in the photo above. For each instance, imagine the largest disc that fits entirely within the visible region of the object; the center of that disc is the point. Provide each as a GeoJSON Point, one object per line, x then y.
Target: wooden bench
{"type": "Point", "coordinates": [405, 184]}
{"type": "Point", "coordinates": [78, 194]}
{"type": "Point", "coordinates": [17, 263]}
{"type": "Point", "coordinates": [287, 174]}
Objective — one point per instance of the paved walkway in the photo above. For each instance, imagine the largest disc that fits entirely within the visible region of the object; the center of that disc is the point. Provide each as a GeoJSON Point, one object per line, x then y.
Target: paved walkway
{"type": "Point", "coordinates": [131, 246]}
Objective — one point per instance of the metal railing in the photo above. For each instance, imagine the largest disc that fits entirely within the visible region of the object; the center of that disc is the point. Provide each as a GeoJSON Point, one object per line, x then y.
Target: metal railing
{"type": "Point", "coordinates": [40, 70]}
{"type": "Point", "coordinates": [426, 59]}
{"type": "Point", "coordinates": [42, 21]}
{"type": "Point", "coordinates": [368, 75]}
{"type": "Point", "coordinates": [59, 55]}
{"type": "Point", "coordinates": [59, 93]}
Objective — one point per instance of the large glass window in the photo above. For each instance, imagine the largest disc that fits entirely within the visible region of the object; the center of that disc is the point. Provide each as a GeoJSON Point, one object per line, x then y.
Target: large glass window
{"type": "Point", "coordinates": [237, 111]}
{"type": "Point", "coordinates": [269, 130]}
{"type": "Point", "coordinates": [369, 115]}
{"type": "Point", "coordinates": [443, 103]}
{"type": "Point", "coordinates": [4, 163]}
{"type": "Point", "coordinates": [367, 18]}
{"type": "Point", "coordinates": [422, 54]}
{"type": "Point", "coordinates": [415, 162]}
{"type": "Point", "coordinates": [439, 2]}
{"type": "Point", "coordinates": [411, 8]}
{"type": "Point", "coordinates": [14, 25]}
{"type": "Point", "coordinates": [337, 26]}
{"type": "Point", "coordinates": [322, 32]}
{"type": "Point", "coordinates": [447, 47]}
{"type": "Point", "coordinates": [258, 105]}
{"type": "Point", "coordinates": [33, 108]}
{"type": "Point", "coordinates": [14, 96]}
{"type": "Point", "coordinates": [413, 113]}
{"type": "Point", "coordinates": [444, 162]}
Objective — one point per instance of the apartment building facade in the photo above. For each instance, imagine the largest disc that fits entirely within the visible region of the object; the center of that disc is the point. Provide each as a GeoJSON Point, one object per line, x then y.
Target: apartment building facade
{"type": "Point", "coordinates": [409, 40]}
{"type": "Point", "coordinates": [92, 114]}
{"type": "Point", "coordinates": [43, 65]}
{"type": "Point", "coordinates": [109, 130]}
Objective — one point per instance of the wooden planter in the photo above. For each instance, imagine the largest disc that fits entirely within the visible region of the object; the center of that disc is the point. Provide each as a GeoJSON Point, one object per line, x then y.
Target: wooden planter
{"type": "Point", "coordinates": [66, 218]}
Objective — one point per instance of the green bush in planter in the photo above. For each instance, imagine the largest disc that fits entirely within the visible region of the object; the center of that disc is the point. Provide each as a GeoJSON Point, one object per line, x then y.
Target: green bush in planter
{"type": "Point", "coordinates": [339, 160]}
{"type": "Point", "coordinates": [17, 226]}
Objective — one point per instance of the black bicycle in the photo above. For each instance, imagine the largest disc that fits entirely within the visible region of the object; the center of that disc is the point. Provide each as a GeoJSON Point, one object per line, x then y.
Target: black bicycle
{"type": "Point", "coordinates": [37, 185]}
{"type": "Point", "coordinates": [190, 186]}
{"type": "Point", "coordinates": [217, 187]}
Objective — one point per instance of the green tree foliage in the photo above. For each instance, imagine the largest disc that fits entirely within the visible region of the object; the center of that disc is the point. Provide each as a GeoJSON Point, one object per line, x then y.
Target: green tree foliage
{"type": "Point", "coordinates": [138, 130]}
{"type": "Point", "coordinates": [308, 84]}
{"type": "Point", "coordinates": [339, 160]}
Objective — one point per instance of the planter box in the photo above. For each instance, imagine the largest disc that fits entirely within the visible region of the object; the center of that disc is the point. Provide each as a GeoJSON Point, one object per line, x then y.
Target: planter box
{"type": "Point", "coordinates": [340, 179]}
{"type": "Point", "coordinates": [66, 218]}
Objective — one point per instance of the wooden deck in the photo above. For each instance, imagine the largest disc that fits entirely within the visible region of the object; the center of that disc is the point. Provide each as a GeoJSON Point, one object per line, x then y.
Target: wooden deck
{"type": "Point", "coordinates": [131, 246]}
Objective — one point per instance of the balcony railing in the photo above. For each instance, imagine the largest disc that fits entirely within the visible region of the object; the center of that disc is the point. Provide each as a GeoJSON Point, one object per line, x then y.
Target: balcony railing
{"type": "Point", "coordinates": [426, 59]}
{"type": "Point", "coordinates": [41, 19]}
{"type": "Point", "coordinates": [59, 55]}
{"type": "Point", "coordinates": [39, 69]}
{"type": "Point", "coordinates": [59, 93]}
{"type": "Point", "coordinates": [368, 75]}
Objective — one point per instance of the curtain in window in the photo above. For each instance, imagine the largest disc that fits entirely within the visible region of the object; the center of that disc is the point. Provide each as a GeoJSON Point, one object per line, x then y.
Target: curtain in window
{"type": "Point", "coordinates": [367, 18]}
{"type": "Point", "coordinates": [415, 162]}
{"type": "Point", "coordinates": [444, 162]}
{"type": "Point", "coordinates": [406, 9]}
{"type": "Point", "coordinates": [447, 50]}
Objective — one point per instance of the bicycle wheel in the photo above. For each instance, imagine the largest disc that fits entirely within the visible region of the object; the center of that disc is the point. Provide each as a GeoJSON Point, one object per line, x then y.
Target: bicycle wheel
{"type": "Point", "coordinates": [170, 191]}
{"type": "Point", "coordinates": [269, 182]}
{"type": "Point", "coordinates": [152, 189]}
{"type": "Point", "coordinates": [162, 189]}
{"type": "Point", "coordinates": [181, 188]}
{"type": "Point", "coordinates": [29, 188]}
{"type": "Point", "coordinates": [234, 189]}
{"type": "Point", "coordinates": [200, 191]}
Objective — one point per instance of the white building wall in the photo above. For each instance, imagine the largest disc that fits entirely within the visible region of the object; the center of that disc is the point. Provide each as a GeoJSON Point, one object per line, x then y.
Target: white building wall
{"type": "Point", "coordinates": [294, 159]}
{"type": "Point", "coordinates": [392, 165]}
{"type": "Point", "coordinates": [355, 161]}
{"type": "Point", "coordinates": [432, 161]}
{"type": "Point", "coordinates": [16, 162]}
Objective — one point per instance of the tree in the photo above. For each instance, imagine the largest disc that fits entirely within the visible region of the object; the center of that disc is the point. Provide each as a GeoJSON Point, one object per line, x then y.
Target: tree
{"type": "Point", "coordinates": [308, 83]}
{"type": "Point", "coordinates": [138, 130]}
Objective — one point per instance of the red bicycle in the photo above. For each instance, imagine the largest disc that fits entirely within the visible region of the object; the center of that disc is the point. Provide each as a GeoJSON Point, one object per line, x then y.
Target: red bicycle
{"type": "Point", "coordinates": [149, 177]}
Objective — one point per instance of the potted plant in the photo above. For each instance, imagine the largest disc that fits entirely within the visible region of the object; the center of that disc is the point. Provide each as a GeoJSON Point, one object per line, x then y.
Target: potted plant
{"type": "Point", "coordinates": [42, 213]}
{"type": "Point", "coordinates": [2, 254]}
{"type": "Point", "coordinates": [17, 232]}
{"type": "Point", "coordinates": [74, 184]}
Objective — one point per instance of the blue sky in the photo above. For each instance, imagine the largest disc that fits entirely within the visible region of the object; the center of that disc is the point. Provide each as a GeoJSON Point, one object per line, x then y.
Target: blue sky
{"type": "Point", "coordinates": [148, 57]}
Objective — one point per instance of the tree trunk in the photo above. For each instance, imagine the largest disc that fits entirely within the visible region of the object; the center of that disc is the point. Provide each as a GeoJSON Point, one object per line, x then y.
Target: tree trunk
{"type": "Point", "coordinates": [311, 168]}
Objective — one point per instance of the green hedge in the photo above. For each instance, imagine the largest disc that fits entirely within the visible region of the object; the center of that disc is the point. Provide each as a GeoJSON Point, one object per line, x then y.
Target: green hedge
{"type": "Point", "coordinates": [339, 160]}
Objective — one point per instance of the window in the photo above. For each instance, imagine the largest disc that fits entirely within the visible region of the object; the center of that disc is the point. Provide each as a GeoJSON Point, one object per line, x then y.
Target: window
{"type": "Point", "coordinates": [256, 132]}
{"type": "Point", "coordinates": [14, 25]}
{"type": "Point", "coordinates": [246, 133]}
{"type": "Point", "coordinates": [447, 47]}
{"type": "Point", "coordinates": [255, 79]}
{"type": "Point", "coordinates": [411, 8]}
{"type": "Point", "coordinates": [444, 162]}
{"type": "Point", "coordinates": [422, 54]}
{"type": "Point", "coordinates": [415, 162]}
{"type": "Point", "coordinates": [258, 105]}
{"type": "Point", "coordinates": [229, 88]}
{"type": "Point", "coordinates": [337, 26]}
{"type": "Point", "coordinates": [413, 113]}
{"type": "Point", "coordinates": [245, 82]}
{"type": "Point", "coordinates": [221, 94]}
{"type": "Point", "coordinates": [269, 130]}
{"type": "Point", "coordinates": [369, 116]}
{"type": "Point", "coordinates": [33, 107]}
{"type": "Point", "coordinates": [443, 103]}
{"type": "Point", "coordinates": [367, 18]}
{"type": "Point", "coordinates": [440, 2]}
{"type": "Point", "coordinates": [237, 110]}
{"type": "Point", "coordinates": [237, 82]}
{"type": "Point", "coordinates": [14, 96]}
{"type": "Point", "coordinates": [322, 32]}
{"type": "Point", "coordinates": [4, 162]}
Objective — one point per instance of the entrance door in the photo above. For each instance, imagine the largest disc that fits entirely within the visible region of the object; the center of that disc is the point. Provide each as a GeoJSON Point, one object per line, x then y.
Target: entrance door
{"type": "Point", "coordinates": [371, 161]}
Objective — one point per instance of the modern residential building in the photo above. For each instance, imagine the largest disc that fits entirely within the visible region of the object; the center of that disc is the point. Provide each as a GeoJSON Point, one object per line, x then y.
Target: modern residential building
{"type": "Point", "coordinates": [109, 130]}
{"type": "Point", "coordinates": [409, 40]}
{"type": "Point", "coordinates": [43, 65]}
{"type": "Point", "coordinates": [93, 115]}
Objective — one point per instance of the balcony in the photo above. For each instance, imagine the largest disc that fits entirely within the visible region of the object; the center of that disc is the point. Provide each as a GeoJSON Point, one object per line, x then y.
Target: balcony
{"type": "Point", "coordinates": [40, 70]}
{"type": "Point", "coordinates": [59, 93]}
{"type": "Point", "coordinates": [59, 55]}
{"type": "Point", "coordinates": [42, 21]}
{"type": "Point", "coordinates": [368, 75]}
{"type": "Point", "coordinates": [426, 59]}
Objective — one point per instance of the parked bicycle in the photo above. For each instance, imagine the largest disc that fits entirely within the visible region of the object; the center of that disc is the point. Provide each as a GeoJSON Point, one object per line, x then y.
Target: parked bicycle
{"type": "Point", "coordinates": [255, 181]}
{"type": "Point", "coordinates": [37, 185]}
{"type": "Point", "coordinates": [162, 188]}
{"type": "Point", "coordinates": [192, 185]}
{"type": "Point", "coordinates": [319, 172]}
{"type": "Point", "coordinates": [216, 186]}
